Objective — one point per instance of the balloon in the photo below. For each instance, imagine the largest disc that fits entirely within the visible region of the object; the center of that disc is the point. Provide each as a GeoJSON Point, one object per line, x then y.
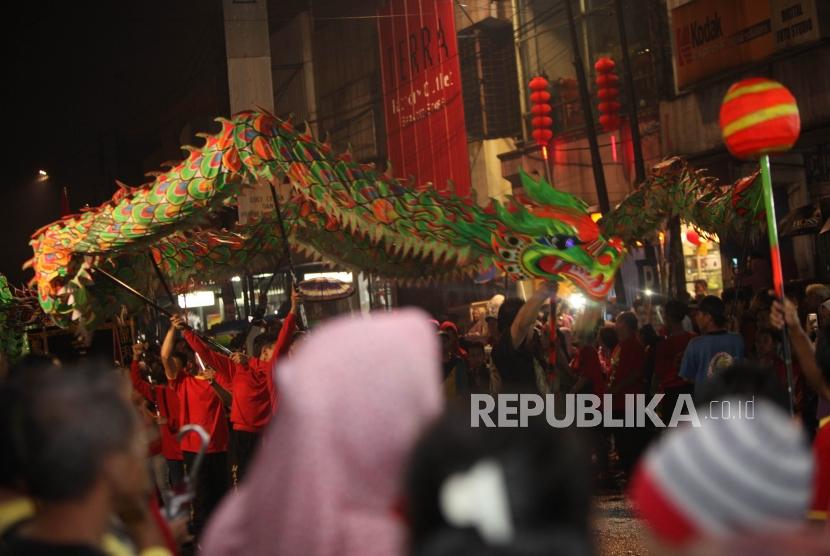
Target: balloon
{"type": "Point", "coordinates": [759, 116]}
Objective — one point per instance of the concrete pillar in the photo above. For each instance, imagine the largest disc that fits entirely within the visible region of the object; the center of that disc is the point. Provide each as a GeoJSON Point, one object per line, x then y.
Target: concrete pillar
{"type": "Point", "coordinates": [248, 49]}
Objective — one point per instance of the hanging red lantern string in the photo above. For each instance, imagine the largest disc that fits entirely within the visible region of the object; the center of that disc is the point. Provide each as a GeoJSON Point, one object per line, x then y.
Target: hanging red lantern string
{"type": "Point", "coordinates": [542, 121]}
{"type": "Point", "coordinates": [608, 91]}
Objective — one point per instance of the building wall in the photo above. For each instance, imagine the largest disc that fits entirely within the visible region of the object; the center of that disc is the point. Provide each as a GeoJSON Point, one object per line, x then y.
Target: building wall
{"type": "Point", "coordinates": [290, 69]}
{"type": "Point", "coordinates": [572, 170]}
{"type": "Point", "coordinates": [347, 79]}
{"type": "Point", "coordinates": [330, 77]}
{"type": "Point", "coordinates": [470, 12]}
{"type": "Point", "coordinates": [486, 170]}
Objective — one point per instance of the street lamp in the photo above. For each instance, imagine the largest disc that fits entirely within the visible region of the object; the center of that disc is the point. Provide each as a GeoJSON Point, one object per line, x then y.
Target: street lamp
{"type": "Point", "coordinates": [43, 177]}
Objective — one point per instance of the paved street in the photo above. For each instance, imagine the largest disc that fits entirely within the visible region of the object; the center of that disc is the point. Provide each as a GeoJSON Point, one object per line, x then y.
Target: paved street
{"type": "Point", "coordinates": [619, 533]}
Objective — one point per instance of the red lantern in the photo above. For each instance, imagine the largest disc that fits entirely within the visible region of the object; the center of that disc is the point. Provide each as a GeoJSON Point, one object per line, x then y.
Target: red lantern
{"type": "Point", "coordinates": [607, 82]}
{"type": "Point", "coordinates": [541, 109]}
{"type": "Point", "coordinates": [759, 116]}
{"type": "Point", "coordinates": [693, 238]}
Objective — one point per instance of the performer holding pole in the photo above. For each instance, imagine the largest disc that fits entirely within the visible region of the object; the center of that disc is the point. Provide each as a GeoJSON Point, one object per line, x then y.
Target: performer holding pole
{"type": "Point", "coordinates": [251, 379]}
{"type": "Point", "coordinates": [759, 116]}
{"type": "Point", "coordinates": [199, 404]}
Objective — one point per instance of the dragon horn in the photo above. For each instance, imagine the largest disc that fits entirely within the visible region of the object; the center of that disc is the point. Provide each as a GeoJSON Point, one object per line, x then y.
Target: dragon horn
{"type": "Point", "coordinates": [307, 131]}
{"type": "Point", "coordinates": [223, 121]}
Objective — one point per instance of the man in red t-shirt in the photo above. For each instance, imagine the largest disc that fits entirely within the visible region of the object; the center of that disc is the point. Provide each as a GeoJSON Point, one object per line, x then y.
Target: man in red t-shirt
{"type": "Point", "coordinates": [255, 396]}
{"type": "Point", "coordinates": [166, 402]}
{"type": "Point", "coordinates": [628, 363]}
{"type": "Point", "coordinates": [200, 403]}
{"type": "Point", "coordinates": [588, 369]}
{"type": "Point", "coordinates": [667, 359]}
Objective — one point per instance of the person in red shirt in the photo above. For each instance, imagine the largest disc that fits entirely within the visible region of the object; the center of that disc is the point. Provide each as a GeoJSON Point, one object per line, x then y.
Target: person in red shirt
{"type": "Point", "coordinates": [627, 377]}
{"type": "Point", "coordinates": [587, 367]}
{"type": "Point", "coordinates": [606, 342]}
{"type": "Point", "coordinates": [451, 330]}
{"type": "Point", "coordinates": [255, 396]}
{"type": "Point", "coordinates": [667, 357]}
{"type": "Point", "coordinates": [200, 403]}
{"type": "Point", "coordinates": [166, 402]}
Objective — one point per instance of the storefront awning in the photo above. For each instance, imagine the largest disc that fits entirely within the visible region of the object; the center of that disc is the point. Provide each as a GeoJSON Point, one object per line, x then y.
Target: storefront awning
{"type": "Point", "coordinates": [803, 220]}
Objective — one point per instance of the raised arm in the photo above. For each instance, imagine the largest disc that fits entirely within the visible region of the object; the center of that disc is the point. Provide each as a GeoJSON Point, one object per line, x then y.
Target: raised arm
{"type": "Point", "coordinates": [802, 347]}
{"type": "Point", "coordinates": [526, 317]}
{"type": "Point", "coordinates": [167, 348]}
{"type": "Point", "coordinates": [289, 326]}
{"type": "Point", "coordinates": [139, 385]}
{"type": "Point", "coordinates": [223, 365]}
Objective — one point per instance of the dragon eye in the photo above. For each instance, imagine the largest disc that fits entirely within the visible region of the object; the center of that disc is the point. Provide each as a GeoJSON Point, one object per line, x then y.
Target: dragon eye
{"type": "Point", "coordinates": [560, 242]}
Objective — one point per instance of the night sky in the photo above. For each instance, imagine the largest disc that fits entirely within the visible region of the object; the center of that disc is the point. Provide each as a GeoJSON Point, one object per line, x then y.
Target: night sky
{"type": "Point", "coordinates": [101, 93]}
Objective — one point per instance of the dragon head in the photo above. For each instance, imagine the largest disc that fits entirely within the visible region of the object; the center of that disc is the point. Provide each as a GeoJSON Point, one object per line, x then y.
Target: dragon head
{"type": "Point", "coordinates": [551, 235]}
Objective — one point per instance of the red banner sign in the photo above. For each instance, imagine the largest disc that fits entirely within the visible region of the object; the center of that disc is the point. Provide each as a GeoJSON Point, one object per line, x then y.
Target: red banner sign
{"type": "Point", "coordinates": [422, 93]}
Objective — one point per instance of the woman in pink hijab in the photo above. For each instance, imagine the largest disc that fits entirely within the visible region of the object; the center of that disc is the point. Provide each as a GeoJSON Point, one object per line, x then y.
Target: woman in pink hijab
{"type": "Point", "coordinates": [327, 478]}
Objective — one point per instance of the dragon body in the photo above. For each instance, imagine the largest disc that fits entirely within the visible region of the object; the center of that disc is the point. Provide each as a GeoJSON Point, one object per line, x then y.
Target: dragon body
{"type": "Point", "coordinates": [339, 211]}
{"type": "Point", "coordinates": [675, 189]}
{"type": "Point", "coordinates": [19, 312]}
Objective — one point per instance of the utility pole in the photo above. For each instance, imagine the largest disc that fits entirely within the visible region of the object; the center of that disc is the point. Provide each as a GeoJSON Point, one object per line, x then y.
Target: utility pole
{"type": "Point", "coordinates": [631, 95]}
{"type": "Point", "coordinates": [590, 129]}
{"type": "Point", "coordinates": [591, 132]}
{"type": "Point", "coordinates": [677, 266]}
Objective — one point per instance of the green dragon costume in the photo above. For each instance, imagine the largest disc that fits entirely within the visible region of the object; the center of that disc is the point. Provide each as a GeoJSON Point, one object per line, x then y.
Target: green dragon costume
{"type": "Point", "coordinates": [349, 214]}
{"type": "Point", "coordinates": [19, 310]}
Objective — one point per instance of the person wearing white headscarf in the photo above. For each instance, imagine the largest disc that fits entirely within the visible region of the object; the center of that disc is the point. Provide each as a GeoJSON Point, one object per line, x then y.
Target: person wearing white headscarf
{"type": "Point", "coordinates": [326, 481]}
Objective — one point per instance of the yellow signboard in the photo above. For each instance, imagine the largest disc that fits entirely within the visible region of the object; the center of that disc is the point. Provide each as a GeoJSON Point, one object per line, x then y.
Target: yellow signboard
{"type": "Point", "coordinates": [711, 36]}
